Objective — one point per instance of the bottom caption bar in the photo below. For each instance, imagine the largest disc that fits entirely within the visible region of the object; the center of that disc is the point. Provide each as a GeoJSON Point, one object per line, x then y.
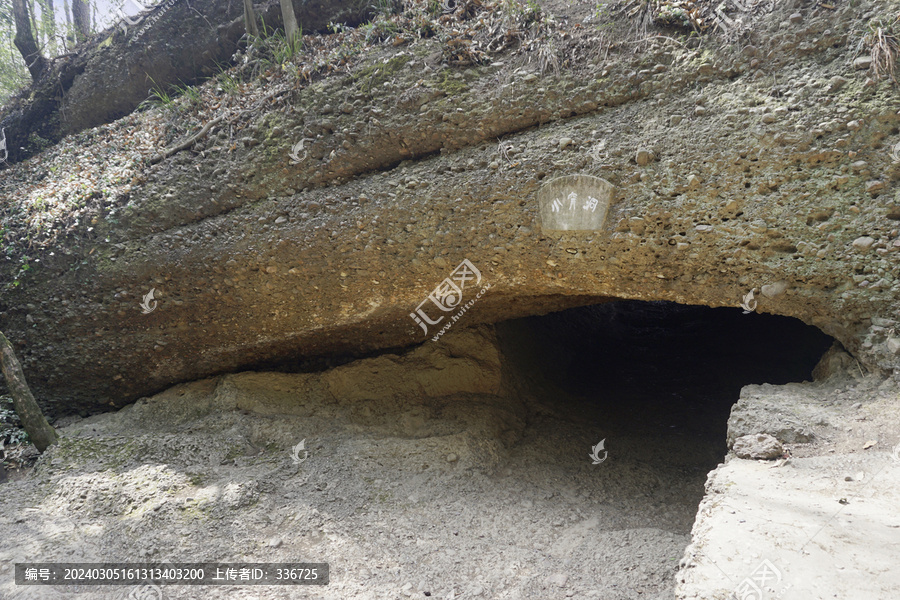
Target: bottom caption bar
{"type": "Point", "coordinates": [172, 573]}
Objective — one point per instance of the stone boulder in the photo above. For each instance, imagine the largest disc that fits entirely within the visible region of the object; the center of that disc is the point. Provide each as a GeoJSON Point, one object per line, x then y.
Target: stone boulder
{"type": "Point", "coordinates": [759, 446]}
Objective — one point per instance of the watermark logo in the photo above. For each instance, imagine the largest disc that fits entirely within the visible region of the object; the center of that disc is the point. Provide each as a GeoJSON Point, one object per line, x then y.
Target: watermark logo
{"type": "Point", "coordinates": [296, 149]}
{"type": "Point", "coordinates": [895, 153]}
{"type": "Point", "coordinates": [147, 591]}
{"type": "Point", "coordinates": [149, 304]}
{"type": "Point", "coordinates": [749, 303]}
{"type": "Point", "coordinates": [448, 295]}
{"type": "Point", "coordinates": [895, 454]}
{"type": "Point", "coordinates": [753, 587]}
{"type": "Point", "coordinates": [595, 452]}
{"type": "Point", "coordinates": [142, 7]}
{"type": "Point", "coordinates": [296, 450]}
{"type": "Point", "coordinates": [598, 152]}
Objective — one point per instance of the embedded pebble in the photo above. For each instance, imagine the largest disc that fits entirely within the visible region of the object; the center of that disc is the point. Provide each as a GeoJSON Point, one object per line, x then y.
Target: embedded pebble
{"type": "Point", "coordinates": [863, 243]}
{"type": "Point", "coordinates": [643, 157]}
{"type": "Point", "coordinates": [773, 289]}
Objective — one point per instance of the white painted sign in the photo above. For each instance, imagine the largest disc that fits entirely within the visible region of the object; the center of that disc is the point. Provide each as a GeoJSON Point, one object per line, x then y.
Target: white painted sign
{"type": "Point", "coordinates": [574, 203]}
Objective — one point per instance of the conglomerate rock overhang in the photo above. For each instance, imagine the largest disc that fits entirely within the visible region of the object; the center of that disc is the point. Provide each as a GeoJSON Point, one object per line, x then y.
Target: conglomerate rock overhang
{"type": "Point", "coordinates": [765, 163]}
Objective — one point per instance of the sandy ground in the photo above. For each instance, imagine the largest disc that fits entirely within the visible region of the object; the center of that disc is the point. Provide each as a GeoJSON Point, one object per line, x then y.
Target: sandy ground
{"type": "Point", "coordinates": [450, 473]}
{"type": "Point", "coordinates": [391, 515]}
{"type": "Point", "coordinates": [823, 524]}
{"type": "Point", "coordinates": [454, 493]}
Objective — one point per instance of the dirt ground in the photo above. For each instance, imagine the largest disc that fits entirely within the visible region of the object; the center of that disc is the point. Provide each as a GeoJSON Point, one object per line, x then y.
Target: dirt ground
{"type": "Point", "coordinates": [391, 515]}
{"type": "Point", "coordinates": [459, 470]}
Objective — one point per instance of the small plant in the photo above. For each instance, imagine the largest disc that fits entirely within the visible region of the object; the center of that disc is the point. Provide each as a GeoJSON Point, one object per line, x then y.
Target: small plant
{"type": "Point", "coordinates": [521, 13]}
{"type": "Point", "coordinates": [603, 13]}
{"type": "Point", "coordinates": [158, 97]}
{"type": "Point", "coordinates": [511, 8]}
{"type": "Point", "coordinates": [37, 143]}
{"type": "Point", "coordinates": [228, 82]}
{"type": "Point", "coordinates": [435, 8]}
{"type": "Point", "coordinates": [10, 427]}
{"type": "Point", "coordinates": [383, 7]}
{"type": "Point", "coordinates": [168, 98]}
{"type": "Point", "coordinates": [673, 16]}
{"type": "Point", "coordinates": [882, 41]}
{"type": "Point", "coordinates": [379, 29]}
{"type": "Point", "coordinates": [275, 48]}
{"type": "Point", "coordinates": [547, 57]}
{"type": "Point", "coordinates": [190, 92]}
{"type": "Point", "coordinates": [338, 27]}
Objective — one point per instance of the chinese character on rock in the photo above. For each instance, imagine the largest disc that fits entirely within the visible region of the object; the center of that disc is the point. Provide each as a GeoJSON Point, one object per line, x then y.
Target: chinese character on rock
{"type": "Point", "coordinates": [591, 204]}
{"type": "Point", "coordinates": [556, 205]}
{"type": "Point", "coordinates": [573, 197]}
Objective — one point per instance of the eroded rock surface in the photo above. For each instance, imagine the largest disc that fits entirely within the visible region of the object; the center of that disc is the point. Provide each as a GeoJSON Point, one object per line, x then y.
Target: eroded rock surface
{"type": "Point", "coordinates": [763, 175]}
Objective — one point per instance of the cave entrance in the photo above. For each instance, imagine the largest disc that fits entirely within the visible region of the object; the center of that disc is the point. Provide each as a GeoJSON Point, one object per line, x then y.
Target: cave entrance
{"type": "Point", "coordinates": [655, 381]}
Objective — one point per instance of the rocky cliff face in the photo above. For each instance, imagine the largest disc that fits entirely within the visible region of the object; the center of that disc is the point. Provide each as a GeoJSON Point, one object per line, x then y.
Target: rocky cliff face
{"type": "Point", "coordinates": [759, 160]}
{"type": "Point", "coordinates": [170, 45]}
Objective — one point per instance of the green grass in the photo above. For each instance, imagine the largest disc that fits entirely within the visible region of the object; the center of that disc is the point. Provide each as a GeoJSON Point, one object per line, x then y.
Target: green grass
{"type": "Point", "coordinates": [158, 97]}
{"type": "Point", "coordinates": [275, 48]}
{"type": "Point", "coordinates": [189, 92]}
{"type": "Point", "coordinates": [379, 29]}
{"type": "Point", "coordinates": [228, 82]}
{"type": "Point", "coordinates": [167, 97]}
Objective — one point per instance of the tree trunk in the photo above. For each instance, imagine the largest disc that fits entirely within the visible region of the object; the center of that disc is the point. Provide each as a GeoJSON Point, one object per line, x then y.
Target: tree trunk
{"type": "Point", "coordinates": [36, 426]}
{"type": "Point", "coordinates": [250, 18]}
{"type": "Point", "coordinates": [51, 22]}
{"type": "Point", "coordinates": [24, 40]}
{"type": "Point", "coordinates": [89, 88]}
{"type": "Point", "coordinates": [81, 16]}
{"type": "Point", "coordinates": [291, 29]}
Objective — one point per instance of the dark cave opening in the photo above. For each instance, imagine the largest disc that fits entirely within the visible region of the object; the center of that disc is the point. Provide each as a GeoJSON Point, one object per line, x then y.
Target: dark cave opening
{"type": "Point", "coordinates": [661, 366]}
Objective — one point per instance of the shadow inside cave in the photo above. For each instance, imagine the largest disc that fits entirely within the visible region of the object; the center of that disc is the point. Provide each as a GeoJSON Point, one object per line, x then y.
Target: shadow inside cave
{"type": "Point", "coordinates": [655, 381]}
{"type": "Point", "coordinates": [646, 367]}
